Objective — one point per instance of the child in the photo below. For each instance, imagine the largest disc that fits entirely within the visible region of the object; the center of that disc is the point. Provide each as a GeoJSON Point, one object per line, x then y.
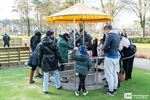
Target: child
{"type": "Point", "coordinates": [84, 63]}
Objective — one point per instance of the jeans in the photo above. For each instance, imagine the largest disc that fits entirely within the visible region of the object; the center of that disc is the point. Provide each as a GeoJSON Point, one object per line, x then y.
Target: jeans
{"type": "Point", "coordinates": [81, 82]}
{"type": "Point", "coordinates": [46, 80]}
{"type": "Point", "coordinates": [111, 69]}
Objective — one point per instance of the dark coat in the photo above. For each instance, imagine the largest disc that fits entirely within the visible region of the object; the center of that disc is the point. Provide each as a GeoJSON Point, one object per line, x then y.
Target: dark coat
{"type": "Point", "coordinates": [63, 46]}
{"type": "Point", "coordinates": [34, 41]}
{"type": "Point", "coordinates": [83, 63]}
{"type": "Point", "coordinates": [87, 39]}
{"type": "Point", "coordinates": [6, 38]}
{"type": "Point", "coordinates": [47, 47]}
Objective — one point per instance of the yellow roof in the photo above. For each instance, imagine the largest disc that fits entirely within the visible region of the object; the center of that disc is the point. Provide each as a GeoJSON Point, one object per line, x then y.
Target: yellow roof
{"type": "Point", "coordinates": [79, 13]}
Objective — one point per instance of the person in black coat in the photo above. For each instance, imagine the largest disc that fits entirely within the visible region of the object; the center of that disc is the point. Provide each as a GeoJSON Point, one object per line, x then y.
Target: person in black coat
{"type": "Point", "coordinates": [35, 39]}
{"type": "Point", "coordinates": [49, 58]}
{"type": "Point", "coordinates": [6, 40]}
{"type": "Point", "coordinates": [33, 44]}
{"type": "Point", "coordinates": [94, 48]}
{"type": "Point", "coordinates": [87, 39]}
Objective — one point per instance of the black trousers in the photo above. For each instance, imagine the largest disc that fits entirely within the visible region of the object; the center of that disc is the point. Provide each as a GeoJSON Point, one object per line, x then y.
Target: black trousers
{"type": "Point", "coordinates": [6, 44]}
{"type": "Point", "coordinates": [128, 66]}
{"type": "Point", "coordinates": [81, 82]}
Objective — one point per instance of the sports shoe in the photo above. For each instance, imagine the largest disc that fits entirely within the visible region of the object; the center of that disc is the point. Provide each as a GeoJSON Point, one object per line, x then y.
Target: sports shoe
{"type": "Point", "coordinates": [115, 91]}
{"type": "Point", "coordinates": [60, 88]}
{"type": "Point", "coordinates": [46, 92]}
{"type": "Point", "coordinates": [109, 93]}
{"type": "Point", "coordinates": [77, 93]}
{"type": "Point", "coordinates": [38, 76]}
{"type": "Point", "coordinates": [85, 93]}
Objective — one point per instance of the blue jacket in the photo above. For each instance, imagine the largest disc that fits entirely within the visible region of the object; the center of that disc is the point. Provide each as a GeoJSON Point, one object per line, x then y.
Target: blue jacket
{"type": "Point", "coordinates": [111, 45]}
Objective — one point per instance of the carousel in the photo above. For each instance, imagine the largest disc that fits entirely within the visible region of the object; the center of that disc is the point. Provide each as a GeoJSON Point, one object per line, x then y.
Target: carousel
{"type": "Point", "coordinates": [76, 14]}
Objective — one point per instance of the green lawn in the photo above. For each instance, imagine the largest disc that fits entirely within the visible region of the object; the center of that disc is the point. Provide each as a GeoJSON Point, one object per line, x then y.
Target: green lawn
{"type": "Point", "coordinates": [14, 86]}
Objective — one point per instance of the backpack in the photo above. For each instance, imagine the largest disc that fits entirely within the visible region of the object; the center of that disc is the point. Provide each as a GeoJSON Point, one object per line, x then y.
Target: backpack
{"type": "Point", "coordinates": [132, 48]}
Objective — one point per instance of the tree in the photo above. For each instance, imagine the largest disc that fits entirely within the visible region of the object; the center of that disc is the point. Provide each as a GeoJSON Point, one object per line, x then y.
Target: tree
{"type": "Point", "coordinates": [140, 8]}
{"type": "Point", "coordinates": [112, 7]}
{"type": "Point", "coordinates": [23, 8]}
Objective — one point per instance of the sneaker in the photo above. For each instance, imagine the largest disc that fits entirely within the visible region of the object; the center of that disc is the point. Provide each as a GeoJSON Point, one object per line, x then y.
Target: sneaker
{"type": "Point", "coordinates": [77, 93]}
{"type": "Point", "coordinates": [59, 88]}
{"type": "Point", "coordinates": [64, 80]}
{"type": "Point", "coordinates": [115, 91]}
{"type": "Point", "coordinates": [46, 92]}
{"type": "Point", "coordinates": [38, 76]}
{"type": "Point", "coordinates": [85, 93]}
{"type": "Point", "coordinates": [109, 93]}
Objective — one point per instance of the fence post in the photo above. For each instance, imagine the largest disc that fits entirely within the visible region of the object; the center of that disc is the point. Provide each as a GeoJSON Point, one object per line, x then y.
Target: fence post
{"type": "Point", "coordinates": [19, 56]}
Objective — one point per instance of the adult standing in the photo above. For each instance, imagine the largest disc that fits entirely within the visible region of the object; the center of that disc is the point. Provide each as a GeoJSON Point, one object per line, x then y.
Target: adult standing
{"type": "Point", "coordinates": [64, 45]}
{"type": "Point", "coordinates": [111, 62]}
{"type": "Point", "coordinates": [49, 57]}
{"type": "Point", "coordinates": [126, 57]}
{"type": "Point", "coordinates": [35, 39]}
{"type": "Point", "coordinates": [87, 39]}
{"type": "Point", "coordinates": [6, 40]}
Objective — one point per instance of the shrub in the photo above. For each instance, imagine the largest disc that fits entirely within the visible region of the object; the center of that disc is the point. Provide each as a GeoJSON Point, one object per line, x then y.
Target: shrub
{"type": "Point", "coordinates": [140, 40]}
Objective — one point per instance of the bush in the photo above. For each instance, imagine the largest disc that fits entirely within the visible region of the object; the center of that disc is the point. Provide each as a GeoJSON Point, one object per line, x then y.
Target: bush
{"type": "Point", "coordinates": [140, 40]}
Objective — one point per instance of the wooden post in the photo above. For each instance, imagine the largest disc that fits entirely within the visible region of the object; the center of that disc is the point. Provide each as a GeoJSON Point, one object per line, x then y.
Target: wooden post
{"type": "Point", "coordinates": [19, 60]}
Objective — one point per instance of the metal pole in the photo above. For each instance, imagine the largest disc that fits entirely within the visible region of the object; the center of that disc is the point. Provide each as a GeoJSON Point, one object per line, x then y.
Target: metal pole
{"type": "Point", "coordinates": [74, 35]}
{"type": "Point", "coordinates": [83, 34]}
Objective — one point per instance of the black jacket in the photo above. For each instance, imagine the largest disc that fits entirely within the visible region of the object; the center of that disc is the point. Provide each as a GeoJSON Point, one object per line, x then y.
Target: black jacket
{"type": "Point", "coordinates": [34, 41]}
{"type": "Point", "coordinates": [6, 38]}
{"type": "Point", "coordinates": [47, 47]}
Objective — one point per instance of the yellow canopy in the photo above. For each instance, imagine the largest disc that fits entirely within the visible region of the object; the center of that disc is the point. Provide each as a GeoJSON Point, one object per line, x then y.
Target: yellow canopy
{"type": "Point", "coordinates": [79, 13]}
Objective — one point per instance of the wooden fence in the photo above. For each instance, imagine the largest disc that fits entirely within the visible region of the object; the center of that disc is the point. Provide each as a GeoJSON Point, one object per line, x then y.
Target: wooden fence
{"type": "Point", "coordinates": [14, 56]}
{"type": "Point", "coordinates": [13, 42]}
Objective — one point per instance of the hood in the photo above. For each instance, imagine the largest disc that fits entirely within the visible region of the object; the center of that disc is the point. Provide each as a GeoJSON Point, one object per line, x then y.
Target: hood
{"type": "Point", "coordinates": [47, 41]}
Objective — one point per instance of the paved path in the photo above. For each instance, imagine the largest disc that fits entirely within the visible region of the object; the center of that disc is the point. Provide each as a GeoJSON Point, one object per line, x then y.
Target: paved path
{"type": "Point", "coordinates": [142, 63]}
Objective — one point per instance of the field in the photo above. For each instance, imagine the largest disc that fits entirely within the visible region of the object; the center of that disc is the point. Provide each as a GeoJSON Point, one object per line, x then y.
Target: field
{"type": "Point", "coordinates": [14, 86]}
{"type": "Point", "coordinates": [143, 51]}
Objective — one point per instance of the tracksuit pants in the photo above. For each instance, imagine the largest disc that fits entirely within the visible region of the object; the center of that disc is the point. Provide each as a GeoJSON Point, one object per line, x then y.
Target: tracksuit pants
{"type": "Point", "coordinates": [46, 80]}
{"type": "Point", "coordinates": [111, 69]}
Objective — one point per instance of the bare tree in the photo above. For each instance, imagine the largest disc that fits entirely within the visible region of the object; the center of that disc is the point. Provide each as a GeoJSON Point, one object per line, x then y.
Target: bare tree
{"type": "Point", "coordinates": [23, 8]}
{"type": "Point", "coordinates": [140, 8]}
{"type": "Point", "coordinates": [112, 7]}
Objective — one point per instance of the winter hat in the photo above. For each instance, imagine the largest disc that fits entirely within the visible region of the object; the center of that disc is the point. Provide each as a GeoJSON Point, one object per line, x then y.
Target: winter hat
{"type": "Point", "coordinates": [83, 50]}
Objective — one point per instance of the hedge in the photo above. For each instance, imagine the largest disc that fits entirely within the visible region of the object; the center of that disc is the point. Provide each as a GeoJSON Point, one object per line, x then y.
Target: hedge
{"type": "Point", "coordinates": [140, 40]}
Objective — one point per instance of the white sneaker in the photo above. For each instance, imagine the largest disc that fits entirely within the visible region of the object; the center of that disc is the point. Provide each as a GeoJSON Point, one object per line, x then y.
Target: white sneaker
{"type": "Point", "coordinates": [77, 93]}
{"type": "Point", "coordinates": [85, 93]}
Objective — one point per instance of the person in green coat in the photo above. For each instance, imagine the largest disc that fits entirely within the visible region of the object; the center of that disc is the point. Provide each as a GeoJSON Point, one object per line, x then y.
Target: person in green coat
{"type": "Point", "coordinates": [83, 64]}
{"type": "Point", "coordinates": [64, 45]}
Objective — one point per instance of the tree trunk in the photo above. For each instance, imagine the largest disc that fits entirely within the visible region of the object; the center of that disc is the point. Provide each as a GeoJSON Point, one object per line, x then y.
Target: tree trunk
{"type": "Point", "coordinates": [28, 26]}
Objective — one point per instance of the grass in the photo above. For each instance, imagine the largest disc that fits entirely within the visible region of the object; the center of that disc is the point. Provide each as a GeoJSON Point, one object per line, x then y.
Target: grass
{"type": "Point", "coordinates": [14, 86]}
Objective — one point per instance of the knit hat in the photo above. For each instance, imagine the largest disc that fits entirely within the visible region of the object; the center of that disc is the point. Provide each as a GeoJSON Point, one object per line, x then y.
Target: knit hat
{"type": "Point", "coordinates": [83, 50]}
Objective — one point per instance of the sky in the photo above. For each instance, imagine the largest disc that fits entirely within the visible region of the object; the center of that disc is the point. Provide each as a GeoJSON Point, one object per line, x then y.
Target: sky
{"type": "Point", "coordinates": [6, 12]}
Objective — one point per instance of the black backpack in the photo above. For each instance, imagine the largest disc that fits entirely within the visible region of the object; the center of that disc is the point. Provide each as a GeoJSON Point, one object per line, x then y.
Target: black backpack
{"type": "Point", "coordinates": [132, 48]}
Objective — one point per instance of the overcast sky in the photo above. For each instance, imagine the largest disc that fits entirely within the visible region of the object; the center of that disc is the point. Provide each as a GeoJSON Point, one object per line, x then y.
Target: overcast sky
{"type": "Point", "coordinates": [6, 11]}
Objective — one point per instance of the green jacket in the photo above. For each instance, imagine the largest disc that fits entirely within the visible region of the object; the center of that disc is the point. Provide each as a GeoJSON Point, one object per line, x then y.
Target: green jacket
{"type": "Point", "coordinates": [63, 46]}
{"type": "Point", "coordinates": [83, 63]}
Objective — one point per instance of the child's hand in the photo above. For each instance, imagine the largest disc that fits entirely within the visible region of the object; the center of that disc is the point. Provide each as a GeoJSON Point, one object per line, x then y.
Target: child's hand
{"type": "Point", "coordinates": [75, 48]}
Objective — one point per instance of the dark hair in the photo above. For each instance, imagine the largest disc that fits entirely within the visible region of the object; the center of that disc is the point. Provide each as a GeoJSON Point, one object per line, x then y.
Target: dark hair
{"type": "Point", "coordinates": [38, 34]}
{"type": "Point", "coordinates": [81, 30]}
{"type": "Point", "coordinates": [108, 26]}
{"type": "Point", "coordinates": [49, 33]}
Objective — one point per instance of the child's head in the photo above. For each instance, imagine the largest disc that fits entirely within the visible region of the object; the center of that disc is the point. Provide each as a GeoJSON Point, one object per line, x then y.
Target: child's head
{"type": "Point", "coordinates": [83, 50]}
